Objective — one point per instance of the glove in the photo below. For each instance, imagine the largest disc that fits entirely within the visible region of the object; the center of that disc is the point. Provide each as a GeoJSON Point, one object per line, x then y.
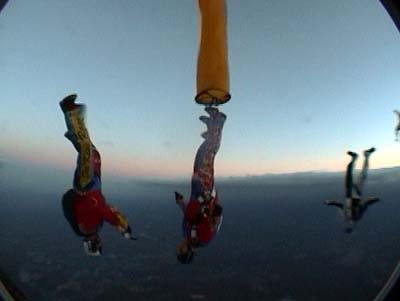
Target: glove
{"type": "Point", "coordinates": [127, 234]}
{"type": "Point", "coordinates": [178, 197]}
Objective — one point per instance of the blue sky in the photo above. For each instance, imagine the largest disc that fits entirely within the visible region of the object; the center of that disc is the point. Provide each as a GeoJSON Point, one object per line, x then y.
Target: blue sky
{"type": "Point", "coordinates": [309, 80]}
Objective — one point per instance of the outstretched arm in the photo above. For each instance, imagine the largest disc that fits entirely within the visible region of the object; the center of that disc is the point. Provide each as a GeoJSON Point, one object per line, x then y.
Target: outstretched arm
{"type": "Point", "coordinates": [179, 201]}
{"type": "Point", "coordinates": [120, 221]}
{"type": "Point", "coordinates": [370, 201]}
{"type": "Point", "coordinates": [334, 203]}
{"type": "Point", "coordinates": [117, 219]}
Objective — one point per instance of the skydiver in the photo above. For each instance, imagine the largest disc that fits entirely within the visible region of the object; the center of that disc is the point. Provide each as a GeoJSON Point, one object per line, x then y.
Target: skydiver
{"type": "Point", "coordinates": [397, 129]}
{"type": "Point", "coordinates": [202, 215]}
{"type": "Point", "coordinates": [84, 206]}
{"type": "Point", "coordinates": [354, 206]}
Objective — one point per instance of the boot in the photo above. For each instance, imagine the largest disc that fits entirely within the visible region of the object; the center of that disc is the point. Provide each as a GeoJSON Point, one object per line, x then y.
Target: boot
{"type": "Point", "coordinates": [68, 103]}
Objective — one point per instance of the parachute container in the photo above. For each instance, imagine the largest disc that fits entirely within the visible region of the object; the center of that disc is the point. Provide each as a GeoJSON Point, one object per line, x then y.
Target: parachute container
{"type": "Point", "coordinates": [212, 64]}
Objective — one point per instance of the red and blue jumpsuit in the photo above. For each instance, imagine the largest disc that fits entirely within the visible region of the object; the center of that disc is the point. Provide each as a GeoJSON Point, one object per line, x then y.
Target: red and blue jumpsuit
{"type": "Point", "coordinates": [196, 223]}
{"type": "Point", "coordinates": [84, 205]}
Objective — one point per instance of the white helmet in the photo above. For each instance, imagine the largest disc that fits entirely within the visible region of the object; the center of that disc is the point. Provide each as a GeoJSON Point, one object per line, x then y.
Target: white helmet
{"type": "Point", "coordinates": [92, 246]}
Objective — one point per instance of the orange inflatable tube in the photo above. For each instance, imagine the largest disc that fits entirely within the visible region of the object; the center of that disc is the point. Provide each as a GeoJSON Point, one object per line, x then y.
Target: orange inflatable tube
{"type": "Point", "coordinates": [212, 64]}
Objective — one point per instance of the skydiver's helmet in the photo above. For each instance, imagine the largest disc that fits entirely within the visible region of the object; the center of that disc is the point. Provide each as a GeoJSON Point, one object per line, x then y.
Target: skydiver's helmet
{"type": "Point", "coordinates": [92, 245]}
{"type": "Point", "coordinates": [185, 253]}
{"type": "Point", "coordinates": [186, 257]}
{"type": "Point", "coordinates": [349, 227]}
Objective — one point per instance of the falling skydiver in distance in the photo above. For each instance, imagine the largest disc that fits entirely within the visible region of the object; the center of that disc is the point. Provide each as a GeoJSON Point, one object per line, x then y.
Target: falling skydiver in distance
{"type": "Point", "coordinates": [84, 206]}
{"type": "Point", "coordinates": [397, 129]}
{"type": "Point", "coordinates": [202, 215]}
{"type": "Point", "coordinates": [354, 206]}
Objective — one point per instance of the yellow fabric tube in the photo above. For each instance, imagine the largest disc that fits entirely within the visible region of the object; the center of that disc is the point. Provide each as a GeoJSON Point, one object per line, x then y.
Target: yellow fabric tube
{"type": "Point", "coordinates": [212, 64]}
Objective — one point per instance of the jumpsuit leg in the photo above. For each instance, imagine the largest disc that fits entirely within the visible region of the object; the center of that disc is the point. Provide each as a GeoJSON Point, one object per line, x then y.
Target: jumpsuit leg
{"type": "Point", "coordinates": [349, 176]}
{"type": "Point", "coordinates": [87, 174]}
{"type": "Point", "coordinates": [364, 171]}
{"type": "Point", "coordinates": [203, 171]}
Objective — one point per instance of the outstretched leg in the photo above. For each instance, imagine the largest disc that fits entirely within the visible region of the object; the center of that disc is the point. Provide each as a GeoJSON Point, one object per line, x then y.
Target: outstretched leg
{"type": "Point", "coordinates": [88, 171]}
{"type": "Point", "coordinates": [349, 175]}
{"type": "Point", "coordinates": [364, 172]}
{"type": "Point", "coordinates": [203, 171]}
